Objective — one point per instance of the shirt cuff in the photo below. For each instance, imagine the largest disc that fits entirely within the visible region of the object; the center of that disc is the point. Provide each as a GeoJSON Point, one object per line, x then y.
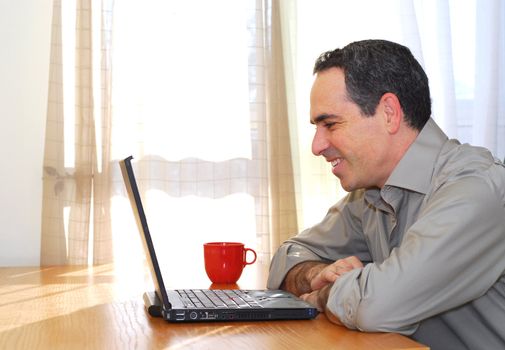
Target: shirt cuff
{"type": "Point", "coordinates": [347, 302]}
{"type": "Point", "coordinates": [345, 297]}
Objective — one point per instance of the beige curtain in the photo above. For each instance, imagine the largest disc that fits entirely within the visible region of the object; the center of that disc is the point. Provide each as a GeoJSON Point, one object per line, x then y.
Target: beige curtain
{"type": "Point", "coordinates": [283, 217]}
{"type": "Point", "coordinates": [76, 196]}
{"type": "Point", "coordinates": [85, 215]}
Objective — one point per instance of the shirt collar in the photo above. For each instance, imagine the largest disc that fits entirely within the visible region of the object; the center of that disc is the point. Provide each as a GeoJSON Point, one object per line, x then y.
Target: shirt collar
{"type": "Point", "coordinates": [415, 169]}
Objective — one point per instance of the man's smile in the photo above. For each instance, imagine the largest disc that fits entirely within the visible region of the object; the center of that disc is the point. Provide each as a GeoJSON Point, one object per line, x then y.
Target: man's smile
{"type": "Point", "coordinates": [335, 162]}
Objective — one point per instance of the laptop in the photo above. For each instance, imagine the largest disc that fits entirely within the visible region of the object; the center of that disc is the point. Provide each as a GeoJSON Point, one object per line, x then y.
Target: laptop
{"type": "Point", "coordinates": [200, 305]}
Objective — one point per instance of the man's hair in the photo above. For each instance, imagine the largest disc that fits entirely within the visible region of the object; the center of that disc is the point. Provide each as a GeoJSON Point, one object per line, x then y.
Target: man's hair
{"type": "Point", "coordinates": [375, 67]}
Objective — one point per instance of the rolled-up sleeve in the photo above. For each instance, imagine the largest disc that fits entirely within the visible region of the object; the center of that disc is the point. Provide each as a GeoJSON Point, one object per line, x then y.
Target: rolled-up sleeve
{"type": "Point", "coordinates": [288, 255]}
{"type": "Point", "coordinates": [338, 235]}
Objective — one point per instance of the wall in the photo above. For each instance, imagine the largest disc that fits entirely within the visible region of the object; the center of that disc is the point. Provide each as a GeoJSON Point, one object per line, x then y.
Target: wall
{"type": "Point", "coordinates": [25, 28]}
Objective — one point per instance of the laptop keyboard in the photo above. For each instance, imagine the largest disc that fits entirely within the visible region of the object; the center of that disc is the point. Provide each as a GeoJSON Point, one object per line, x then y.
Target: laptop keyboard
{"type": "Point", "coordinates": [214, 298]}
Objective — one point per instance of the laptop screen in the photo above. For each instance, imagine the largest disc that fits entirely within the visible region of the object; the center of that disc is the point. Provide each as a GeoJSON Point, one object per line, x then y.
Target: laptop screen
{"type": "Point", "coordinates": [140, 218]}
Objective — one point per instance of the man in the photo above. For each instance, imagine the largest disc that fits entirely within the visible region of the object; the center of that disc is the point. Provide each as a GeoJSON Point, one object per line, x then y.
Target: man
{"type": "Point", "coordinates": [418, 245]}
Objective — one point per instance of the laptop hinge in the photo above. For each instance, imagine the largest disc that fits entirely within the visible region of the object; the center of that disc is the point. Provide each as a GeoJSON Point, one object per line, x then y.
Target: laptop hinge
{"type": "Point", "coordinates": [153, 304]}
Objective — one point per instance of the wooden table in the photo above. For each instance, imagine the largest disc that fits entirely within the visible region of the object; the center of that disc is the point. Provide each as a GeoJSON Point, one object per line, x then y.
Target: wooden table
{"type": "Point", "coordinates": [101, 307]}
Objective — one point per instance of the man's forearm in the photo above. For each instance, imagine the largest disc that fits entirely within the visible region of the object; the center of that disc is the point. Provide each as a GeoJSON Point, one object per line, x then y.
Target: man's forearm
{"type": "Point", "coordinates": [298, 279]}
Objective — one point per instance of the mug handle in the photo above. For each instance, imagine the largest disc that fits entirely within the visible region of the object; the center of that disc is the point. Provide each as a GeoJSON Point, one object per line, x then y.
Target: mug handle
{"type": "Point", "coordinates": [245, 256]}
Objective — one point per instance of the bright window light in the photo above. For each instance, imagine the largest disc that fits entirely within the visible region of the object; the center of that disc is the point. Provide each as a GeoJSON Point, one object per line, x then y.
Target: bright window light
{"type": "Point", "coordinates": [183, 75]}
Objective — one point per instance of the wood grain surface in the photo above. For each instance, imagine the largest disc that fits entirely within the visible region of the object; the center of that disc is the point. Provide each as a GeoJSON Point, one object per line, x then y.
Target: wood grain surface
{"type": "Point", "coordinates": [101, 307]}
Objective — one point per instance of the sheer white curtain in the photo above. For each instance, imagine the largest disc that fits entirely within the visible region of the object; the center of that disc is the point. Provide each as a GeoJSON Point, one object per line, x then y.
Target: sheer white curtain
{"type": "Point", "coordinates": [463, 46]}
{"type": "Point", "coordinates": [76, 194]}
{"type": "Point", "coordinates": [489, 93]}
{"type": "Point", "coordinates": [459, 43]}
{"type": "Point", "coordinates": [191, 101]}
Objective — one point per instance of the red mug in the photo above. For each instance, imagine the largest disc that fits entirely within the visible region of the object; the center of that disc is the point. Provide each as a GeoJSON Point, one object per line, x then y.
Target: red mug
{"type": "Point", "coordinates": [224, 261]}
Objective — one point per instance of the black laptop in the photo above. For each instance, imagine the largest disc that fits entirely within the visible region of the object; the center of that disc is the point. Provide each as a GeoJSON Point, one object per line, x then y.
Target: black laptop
{"type": "Point", "coordinates": [193, 305]}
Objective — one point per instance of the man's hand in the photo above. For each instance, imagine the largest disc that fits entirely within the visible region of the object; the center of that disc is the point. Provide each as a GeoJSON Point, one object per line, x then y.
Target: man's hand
{"type": "Point", "coordinates": [298, 279]}
{"type": "Point", "coordinates": [312, 281]}
{"type": "Point", "coordinates": [330, 273]}
{"type": "Point", "coordinates": [322, 282]}
{"type": "Point", "coordinates": [319, 298]}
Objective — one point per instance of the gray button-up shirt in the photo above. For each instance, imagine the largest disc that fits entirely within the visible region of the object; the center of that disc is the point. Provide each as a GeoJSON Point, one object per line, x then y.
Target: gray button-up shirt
{"type": "Point", "coordinates": [433, 244]}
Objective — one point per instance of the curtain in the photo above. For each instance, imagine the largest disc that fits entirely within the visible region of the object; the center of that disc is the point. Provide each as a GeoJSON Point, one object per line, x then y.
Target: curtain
{"type": "Point", "coordinates": [316, 188]}
{"type": "Point", "coordinates": [283, 203]}
{"type": "Point", "coordinates": [204, 115]}
{"type": "Point", "coordinates": [463, 45]}
{"type": "Point", "coordinates": [76, 194]}
{"type": "Point", "coordinates": [199, 104]}
{"type": "Point", "coordinates": [489, 98]}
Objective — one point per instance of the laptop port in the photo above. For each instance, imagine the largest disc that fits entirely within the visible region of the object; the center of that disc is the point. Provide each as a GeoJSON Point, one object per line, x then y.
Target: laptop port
{"type": "Point", "coordinates": [227, 316]}
{"type": "Point", "coordinates": [208, 315]}
{"type": "Point", "coordinates": [180, 316]}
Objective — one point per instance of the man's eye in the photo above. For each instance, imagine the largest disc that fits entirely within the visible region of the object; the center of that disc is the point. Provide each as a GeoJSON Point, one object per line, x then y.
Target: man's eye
{"type": "Point", "coordinates": [328, 125]}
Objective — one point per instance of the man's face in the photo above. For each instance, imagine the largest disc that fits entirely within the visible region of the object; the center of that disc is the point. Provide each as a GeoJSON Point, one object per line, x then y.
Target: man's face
{"type": "Point", "coordinates": [354, 144]}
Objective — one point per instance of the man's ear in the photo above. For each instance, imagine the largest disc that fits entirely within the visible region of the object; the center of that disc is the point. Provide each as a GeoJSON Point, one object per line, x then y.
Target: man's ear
{"type": "Point", "coordinates": [393, 112]}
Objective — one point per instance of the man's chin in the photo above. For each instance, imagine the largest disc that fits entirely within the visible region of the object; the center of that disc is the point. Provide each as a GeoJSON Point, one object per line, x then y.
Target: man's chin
{"type": "Point", "coordinates": [347, 188]}
{"type": "Point", "coordinates": [347, 185]}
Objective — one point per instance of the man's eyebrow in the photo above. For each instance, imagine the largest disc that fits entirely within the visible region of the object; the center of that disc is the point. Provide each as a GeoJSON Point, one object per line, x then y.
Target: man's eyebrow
{"type": "Point", "coordinates": [322, 117]}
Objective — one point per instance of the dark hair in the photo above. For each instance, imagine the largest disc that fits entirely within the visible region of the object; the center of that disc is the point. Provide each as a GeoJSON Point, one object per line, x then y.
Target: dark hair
{"type": "Point", "coordinates": [375, 67]}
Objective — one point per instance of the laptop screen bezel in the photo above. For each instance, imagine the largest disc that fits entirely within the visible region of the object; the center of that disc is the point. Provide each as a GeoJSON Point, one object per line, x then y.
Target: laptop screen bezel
{"type": "Point", "coordinates": [140, 218]}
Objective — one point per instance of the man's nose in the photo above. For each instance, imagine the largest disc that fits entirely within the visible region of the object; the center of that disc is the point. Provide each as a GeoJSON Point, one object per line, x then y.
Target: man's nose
{"type": "Point", "coordinates": [319, 142]}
